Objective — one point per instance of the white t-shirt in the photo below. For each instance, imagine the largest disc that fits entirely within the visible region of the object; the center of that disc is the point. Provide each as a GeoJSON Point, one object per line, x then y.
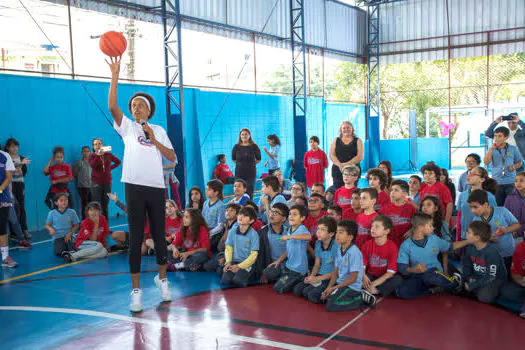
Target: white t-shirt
{"type": "Point", "coordinates": [142, 163]}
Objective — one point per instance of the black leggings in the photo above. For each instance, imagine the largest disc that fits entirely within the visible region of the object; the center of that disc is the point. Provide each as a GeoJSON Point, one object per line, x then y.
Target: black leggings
{"type": "Point", "coordinates": [99, 194]}
{"type": "Point", "coordinates": [142, 200]}
{"type": "Point", "coordinates": [19, 189]}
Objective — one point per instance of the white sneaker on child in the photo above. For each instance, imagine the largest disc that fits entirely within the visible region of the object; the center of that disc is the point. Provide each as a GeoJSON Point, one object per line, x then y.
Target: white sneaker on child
{"type": "Point", "coordinates": [163, 285]}
{"type": "Point", "coordinates": [136, 300]}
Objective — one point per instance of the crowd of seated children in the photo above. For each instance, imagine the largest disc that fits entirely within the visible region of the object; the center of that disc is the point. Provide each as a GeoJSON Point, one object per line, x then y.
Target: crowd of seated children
{"type": "Point", "coordinates": [239, 192]}
{"type": "Point", "coordinates": [471, 161]}
{"type": "Point", "coordinates": [504, 160]}
{"type": "Point", "coordinates": [477, 179]}
{"type": "Point", "coordinates": [242, 248]}
{"type": "Point", "coordinates": [343, 195]}
{"type": "Point", "coordinates": [191, 246]}
{"type": "Point", "coordinates": [377, 180]}
{"type": "Point", "coordinates": [60, 175]}
{"type": "Point", "coordinates": [222, 171]}
{"type": "Point", "coordinates": [213, 212]}
{"type": "Point", "coordinates": [315, 163]}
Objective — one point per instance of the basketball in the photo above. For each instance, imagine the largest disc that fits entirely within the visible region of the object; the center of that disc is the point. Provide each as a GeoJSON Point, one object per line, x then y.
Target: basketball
{"type": "Point", "coordinates": [113, 44]}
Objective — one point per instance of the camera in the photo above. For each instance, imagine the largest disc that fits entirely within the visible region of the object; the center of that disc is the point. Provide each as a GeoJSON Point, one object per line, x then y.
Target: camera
{"type": "Point", "coordinates": [106, 148]}
{"type": "Point", "coordinates": [507, 117]}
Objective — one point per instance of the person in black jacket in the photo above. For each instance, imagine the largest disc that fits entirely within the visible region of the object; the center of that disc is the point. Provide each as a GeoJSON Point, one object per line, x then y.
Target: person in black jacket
{"type": "Point", "coordinates": [18, 184]}
{"type": "Point", "coordinates": [272, 250]}
{"type": "Point", "coordinates": [246, 155]}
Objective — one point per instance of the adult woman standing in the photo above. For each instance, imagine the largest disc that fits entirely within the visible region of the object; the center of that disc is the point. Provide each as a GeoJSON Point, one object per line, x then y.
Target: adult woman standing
{"type": "Point", "coordinates": [101, 163]}
{"type": "Point", "coordinates": [345, 150]}
{"type": "Point", "coordinates": [144, 146]}
{"type": "Point", "coordinates": [246, 155]}
{"type": "Point", "coordinates": [18, 184]}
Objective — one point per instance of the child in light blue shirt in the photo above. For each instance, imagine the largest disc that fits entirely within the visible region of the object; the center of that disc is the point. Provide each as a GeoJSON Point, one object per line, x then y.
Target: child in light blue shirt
{"type": "Point", "coordinates": [273, 153]}
{"type": "Point", "coordinates": [62, 223]}
{"type": "Point", "coordinates": [213, 211]}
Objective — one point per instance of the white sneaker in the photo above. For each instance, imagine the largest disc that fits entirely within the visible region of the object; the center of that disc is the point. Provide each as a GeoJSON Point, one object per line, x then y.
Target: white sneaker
{"type": "Point", "coordinates": [136, 300]}
{"type": "Point", "coordinates": [163, 285]}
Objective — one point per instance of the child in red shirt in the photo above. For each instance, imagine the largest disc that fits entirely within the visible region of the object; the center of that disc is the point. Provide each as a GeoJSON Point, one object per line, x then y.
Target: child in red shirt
{"type": "Point", "coordinates": [352, 212]}
{"type": "Point", "coordinates": [91, 239]}
{"type": "Point", "coordinates": [515, 290]}
{"type": "Point", "coordinates": [173, 220]}
{"type": "Point", "coordinates": [364, 220]}
{"type": "Point", "coordinates": [191, 246]}
{"type": "Point", "coordinates": [399, 211]}
{"type": "Point", "coordinates": [377, 179]}
{"type": "Point", "coordinates": [380, 259]}
{"type": "Point", "coordinates": [222, 171]}
{"type": "Point", "coordinates": [315, 162]}
{"type": "Point", "coordinates": [343, 195]}
{"type": "Point", "coordinates": [315, 212]}
{"type": "Point", "coordinates": [257, 224]}
{"type": "Point", "coordinates": [60, 175]}
{"type": "Point", "coordinates": [432, 187]}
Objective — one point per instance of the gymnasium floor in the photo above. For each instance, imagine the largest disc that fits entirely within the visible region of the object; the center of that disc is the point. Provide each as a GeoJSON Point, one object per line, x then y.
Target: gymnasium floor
{"type": "Point", "coordinates": [46, 304]}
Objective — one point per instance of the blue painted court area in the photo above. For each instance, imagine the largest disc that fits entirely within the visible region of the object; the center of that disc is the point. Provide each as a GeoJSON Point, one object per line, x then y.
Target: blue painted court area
{"type": "Point", "coordinates": [46, 304]}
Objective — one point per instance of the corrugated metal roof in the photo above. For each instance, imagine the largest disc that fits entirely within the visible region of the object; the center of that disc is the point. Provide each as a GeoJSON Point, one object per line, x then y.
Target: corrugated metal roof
{"type": "Point", "coordinates": [329, 24]}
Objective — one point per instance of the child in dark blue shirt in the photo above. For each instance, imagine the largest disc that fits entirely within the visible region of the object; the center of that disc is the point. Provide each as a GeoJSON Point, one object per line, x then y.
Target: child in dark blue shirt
{"type": "Point", "coordinates": [314, 285]}
{"type": "Point", "coordinates": [418, 260]}
{"type": "Point", "coordinates": [483, 268]}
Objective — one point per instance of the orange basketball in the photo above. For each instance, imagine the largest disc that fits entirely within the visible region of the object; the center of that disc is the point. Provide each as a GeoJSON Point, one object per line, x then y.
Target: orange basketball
{"type": "Point", "coordinates": [113, 44]}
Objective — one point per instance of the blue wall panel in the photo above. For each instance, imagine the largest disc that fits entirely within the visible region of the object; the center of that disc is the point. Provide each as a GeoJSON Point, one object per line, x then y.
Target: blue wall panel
{"type": "Point", "coordinates": [397, 152]}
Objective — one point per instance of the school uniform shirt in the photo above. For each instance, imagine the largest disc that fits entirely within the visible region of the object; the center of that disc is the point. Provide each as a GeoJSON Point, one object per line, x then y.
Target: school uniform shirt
{"type": "Point", "coordinates": [277, 246]}
{"type": "Point", "coordinates": [502, 158]}
{"type": "Point", "coordinates": [6, 164]}
{"type": "Point", "coordinates": [417, 198]}
{"type": "Point", "coordinates": [222, 171]}
{"type": "Point", "coordinates": [311, 224]}
{"type": "Point", "coordinates": [84, 173]}
{"type": "Point", "coordinates": [379, 259]}
{"type": "Point", "coordinates": [383, 199]}
{"type": "Point", "coordinates": [273, 163]}
{"type": "Point", "coordinates": [243, 243]}
{"type": "Point", "coordinates": [58, 172]}
{"type": "Point", "coordinates": [315, 163]}
{"type": "Point", "coordinates": [484, 266]}
{"type": "Point", "coordinates": [438, 190]}
{"type": "Point", "coordinates": [423, 251]}
{"type": "Point", "coordinates": [241, 200]}
{"type": "Point", "coordinates": [214, 215]}
{"type": "Point", "coordinates": [401, 216]}
{"type": "Point", "coordinates": [364, 223]}
{"type": "Point", "coordinates": [142, 163]}
{"type": "Point", "coordinates": [348, 261]}
{"type": "Point", "coordinates": [296, 251]}
{"type": "Point", "coordinates": [466, 216]}
{"type": "Point", "coordinates": [172, 226]}
{"type": "Point", "coordinates": [203, 241]}
{"type": "Point", "coordinates": [62, 222]}
{"type": "Point", "coordinates": [327, 256]}
{"type": "Point", "coordinates": [502, 217]}
{"type": "Point", "coordinates": [86, 230]}
{"type": "Point", "coordinates": [278, 198]}
{"type": "Point", "coordinates": [349, 214]}
{"type": "Point", "coordinates": [518, 260]}
{"type": "Point", "coordinates": [462, 182]}
{"type": "Point", "coordinates": [343, 197]}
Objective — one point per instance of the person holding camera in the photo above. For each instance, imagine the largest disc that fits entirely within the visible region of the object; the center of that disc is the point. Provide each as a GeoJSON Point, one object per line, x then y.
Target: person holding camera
{"type": "Point", "coordinates": [102, 162]}
{"type": "Point", "coordinates": [516, 131]}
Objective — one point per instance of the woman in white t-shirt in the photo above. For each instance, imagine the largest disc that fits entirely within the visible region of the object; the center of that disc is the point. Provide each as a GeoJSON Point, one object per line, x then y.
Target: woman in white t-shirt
{"type": "Point", "coordinates": [144, 146]}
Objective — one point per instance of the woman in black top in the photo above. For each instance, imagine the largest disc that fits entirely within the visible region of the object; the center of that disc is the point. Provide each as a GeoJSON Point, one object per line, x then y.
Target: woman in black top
{"type": "Point", "coordinates": [246, 155]}
{"type": "Point", "coordinates": [345, 150]}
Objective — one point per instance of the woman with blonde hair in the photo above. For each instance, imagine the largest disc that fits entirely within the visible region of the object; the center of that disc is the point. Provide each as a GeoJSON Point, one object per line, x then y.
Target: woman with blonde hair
{"type": "Point", "coordinates": [346, 149]}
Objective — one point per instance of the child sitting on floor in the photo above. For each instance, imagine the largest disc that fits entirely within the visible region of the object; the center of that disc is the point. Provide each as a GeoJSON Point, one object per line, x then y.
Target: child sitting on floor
{"type": "Point", "coordinates": [91, 239]}
{"type": "Point", "coordinates": [418, 260]}
{"type": "Point", "coordinates": [343, 195]}
{"type": "Point", "coordinates": [239, 191]}
{"type": "Point", "coordinates": [352, 212]}
{"type": "Point", "coordinates": [191, 246]}
{"type": "Point", "coordinates": [380, 259]}
{"type": "Point", "coordinates": [378, 180]}
{"type": "Point", "coordinates": [514, 290]}
{"type": "Point", "coordinates": [314, 285]}
{"type": "Point", "coordinates": [273, 249]}
{"type": "Point", "coordinates": [213, 212]}
{"type": "Point", "coordinates": [242, 248]}
{"type": "Point", "coordinates": [222, 171]}
{"type": "Point", "coordinates": [364, 220]}
{"type": "Point", "coordinates": [344, 292]}
{"type": "Point", "coordinates": [483, 268]}
{"type": "Point", "coordinates": [62, 223]}
{"type": "Point", "coordinates": [399, 211]}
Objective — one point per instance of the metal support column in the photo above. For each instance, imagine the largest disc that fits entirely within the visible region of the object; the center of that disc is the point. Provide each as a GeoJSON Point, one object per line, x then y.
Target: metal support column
{"type": "Point", "coordinates": [373, 103]}
{"type": "Point", "coordinates": [299, 84]}
{"type": "Point", "coordinates": [174, 86]}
